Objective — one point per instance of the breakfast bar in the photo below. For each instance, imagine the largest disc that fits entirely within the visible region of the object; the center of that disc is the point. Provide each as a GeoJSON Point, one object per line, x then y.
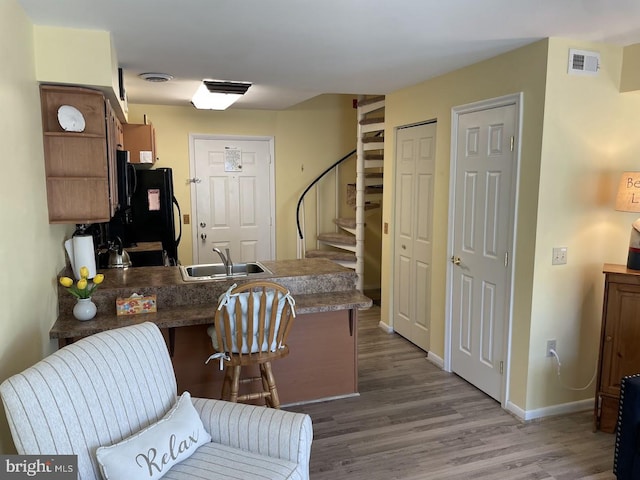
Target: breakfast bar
{"type": "Point", "coordinates": [323, 341]}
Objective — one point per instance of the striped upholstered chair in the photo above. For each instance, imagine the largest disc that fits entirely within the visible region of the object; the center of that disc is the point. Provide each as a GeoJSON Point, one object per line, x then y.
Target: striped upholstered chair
{"type": "Point", "coordinates": [104, 396]}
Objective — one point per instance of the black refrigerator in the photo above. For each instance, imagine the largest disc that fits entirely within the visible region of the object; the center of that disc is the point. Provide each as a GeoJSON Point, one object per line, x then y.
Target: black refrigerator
{"type": "Point", "coordinates": [155, 213]}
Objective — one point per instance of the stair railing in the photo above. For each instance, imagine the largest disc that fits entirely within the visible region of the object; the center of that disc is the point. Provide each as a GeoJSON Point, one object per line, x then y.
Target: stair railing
{"type": "Point", "coordinates": [299, 222]}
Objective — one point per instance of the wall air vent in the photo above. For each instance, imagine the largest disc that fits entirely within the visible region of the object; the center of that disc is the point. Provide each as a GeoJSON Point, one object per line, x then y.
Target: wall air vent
{"type": "Point", "coordinates": [220, 86]}
{"type": "Point", "coordinates": [582, 62]}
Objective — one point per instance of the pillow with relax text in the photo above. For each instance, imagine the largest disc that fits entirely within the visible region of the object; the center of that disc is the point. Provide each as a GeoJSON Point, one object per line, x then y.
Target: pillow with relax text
{"type": "Point", "coordinates": [151, 452]}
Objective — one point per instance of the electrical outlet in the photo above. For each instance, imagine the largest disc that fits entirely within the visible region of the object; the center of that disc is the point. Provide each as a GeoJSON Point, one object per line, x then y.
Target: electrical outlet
{"type": "Point", "coordinates": [551, 345]}
{"type": "Point", "coordinates": [559, 256]}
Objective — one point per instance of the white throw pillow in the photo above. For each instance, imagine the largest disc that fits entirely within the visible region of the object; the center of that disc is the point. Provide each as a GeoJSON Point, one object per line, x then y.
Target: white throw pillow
{"type": "Point", "coordinates": [151, 452]}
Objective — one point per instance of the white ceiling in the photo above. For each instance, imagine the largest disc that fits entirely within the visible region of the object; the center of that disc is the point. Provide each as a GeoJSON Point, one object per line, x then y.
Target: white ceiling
{"type": "Point", "coordinates": [292, 50]}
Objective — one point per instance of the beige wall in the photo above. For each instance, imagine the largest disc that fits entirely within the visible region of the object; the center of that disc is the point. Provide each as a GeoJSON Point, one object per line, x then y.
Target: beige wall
{"type": "Point", "coordinates": [308, 138]}
{"type": "Point", "coordinates": [590, 137]}
{"type": "Point", "coordinates": [31, 251]}
{"type": "Point", "coordinates": [630, 76]}
{"type": "Point", "coordinates": [88, 58]}
{"type": "Point", "coordinates": [522, 70]}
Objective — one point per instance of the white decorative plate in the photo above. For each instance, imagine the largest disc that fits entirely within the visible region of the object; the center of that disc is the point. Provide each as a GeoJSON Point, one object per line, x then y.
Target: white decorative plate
{"type": "Point", "coordinates": [70, 119]}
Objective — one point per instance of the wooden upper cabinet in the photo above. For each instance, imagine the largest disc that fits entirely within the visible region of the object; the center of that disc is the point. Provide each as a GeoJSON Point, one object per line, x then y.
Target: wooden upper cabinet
{"type": "Point", "coordinates": [140, 141]}
{"type": "Point", "coordinates": [79, 168]}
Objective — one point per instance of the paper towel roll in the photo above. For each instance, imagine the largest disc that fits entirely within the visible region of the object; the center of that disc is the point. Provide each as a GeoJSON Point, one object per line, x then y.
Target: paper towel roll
{"type": "Point", "coordinates": [83, 255]}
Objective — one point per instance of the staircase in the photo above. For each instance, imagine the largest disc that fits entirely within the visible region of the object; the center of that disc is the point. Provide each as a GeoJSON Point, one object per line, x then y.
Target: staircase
{"type": "Point", "coordinates": [345, 245]}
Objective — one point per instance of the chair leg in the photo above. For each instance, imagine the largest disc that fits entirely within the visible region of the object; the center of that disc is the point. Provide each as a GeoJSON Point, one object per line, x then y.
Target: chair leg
{"type": "Point", "coordinates": [265, 386]}
{"type": "Point", "coordinates": [235, 383]}
{"type": "Point", "coordinates": [226, 383]}
{"type": "Point", "coordinates": [271, 384]}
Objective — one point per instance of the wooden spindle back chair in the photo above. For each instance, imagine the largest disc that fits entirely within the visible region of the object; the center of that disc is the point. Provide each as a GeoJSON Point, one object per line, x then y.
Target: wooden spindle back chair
{"type": "Point", "coordinates": [251, 326]}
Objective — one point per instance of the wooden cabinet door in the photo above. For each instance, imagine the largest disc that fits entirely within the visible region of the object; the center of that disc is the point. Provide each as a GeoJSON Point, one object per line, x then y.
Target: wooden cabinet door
{"type": "Point", "coordinates": [620, 349]}
{"type": "Point", "coordinates": [140, 141]}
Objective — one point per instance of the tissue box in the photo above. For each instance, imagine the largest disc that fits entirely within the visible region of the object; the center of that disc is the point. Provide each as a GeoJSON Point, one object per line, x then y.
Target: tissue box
{"type": "Point", "coordinates": [136, 304]}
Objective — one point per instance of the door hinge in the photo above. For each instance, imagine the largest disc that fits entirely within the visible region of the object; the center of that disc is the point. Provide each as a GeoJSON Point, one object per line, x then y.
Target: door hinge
{"type": "Point", "coordinates": [513, 140]}
{"type": "Point", "coordinates": [506, 259]}
{"type": "Point", "coordinates": [501, 367]}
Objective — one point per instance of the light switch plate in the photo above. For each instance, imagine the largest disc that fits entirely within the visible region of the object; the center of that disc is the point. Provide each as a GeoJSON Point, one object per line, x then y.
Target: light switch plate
{"type": "Point", "coordinates": [559, 256]}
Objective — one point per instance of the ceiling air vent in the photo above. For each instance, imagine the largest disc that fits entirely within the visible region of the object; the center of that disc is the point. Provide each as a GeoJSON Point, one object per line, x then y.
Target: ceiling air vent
{"type": "Point", "coordinates": [218, 86]}
{"type": "Point", "coordinates": [156, 77]}
{"type": "Point", "coordinates": [582, 62]}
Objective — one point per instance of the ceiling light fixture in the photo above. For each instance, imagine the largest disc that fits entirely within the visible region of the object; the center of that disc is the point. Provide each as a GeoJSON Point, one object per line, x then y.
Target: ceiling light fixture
{"type": "Point", "coordinates": [218, 94]}
{"type": "Point", "coordinates": [156, 77]}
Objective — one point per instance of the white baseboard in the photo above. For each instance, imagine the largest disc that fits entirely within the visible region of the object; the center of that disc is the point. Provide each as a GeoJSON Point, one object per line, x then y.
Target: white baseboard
{"type": "Point", "coordinates": [560, 409]}
{"type": "Point", "coordinates": [385, 327]}
{"type": "Point", "coordinates": [436, 360]}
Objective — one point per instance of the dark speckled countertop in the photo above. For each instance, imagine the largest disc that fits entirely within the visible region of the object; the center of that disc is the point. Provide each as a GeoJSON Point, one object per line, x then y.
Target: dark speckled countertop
{"type": "Point", "coordinates": [317, 284]}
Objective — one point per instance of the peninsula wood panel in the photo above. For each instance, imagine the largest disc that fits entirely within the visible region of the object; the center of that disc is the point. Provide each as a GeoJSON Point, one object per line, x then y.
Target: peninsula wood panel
{"type": "Point", "coordinates": [322, 362]}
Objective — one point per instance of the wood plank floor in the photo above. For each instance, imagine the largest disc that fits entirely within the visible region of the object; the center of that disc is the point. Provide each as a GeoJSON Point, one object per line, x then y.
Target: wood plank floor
{"type": "Point", "coordinates": [414, 421]}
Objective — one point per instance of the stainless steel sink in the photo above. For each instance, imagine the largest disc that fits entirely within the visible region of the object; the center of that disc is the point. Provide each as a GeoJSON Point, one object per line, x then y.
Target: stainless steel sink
{"type": "Point", "coordinates": [218, 271]}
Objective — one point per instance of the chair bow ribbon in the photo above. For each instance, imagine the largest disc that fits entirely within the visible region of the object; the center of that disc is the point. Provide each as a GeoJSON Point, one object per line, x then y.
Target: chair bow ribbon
{"type": "Point", "coordinates": [226, 296]}
{"type": "Point", "coordinates": [292, 303]}
{"type": "Point", "coordinates": [221, 357]}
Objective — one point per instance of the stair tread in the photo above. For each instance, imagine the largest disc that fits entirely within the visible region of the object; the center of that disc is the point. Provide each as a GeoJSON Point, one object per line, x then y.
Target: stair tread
{"type": "Point", "coordinates": [374, 156]}
{"type": "Point", "coordinates": [332, 255]}
{"type": "Point", "coordinates": [346, 222]}
{"type": "Point", "coordinates": [339, 238]}
{"type": "Point", "coordinates": [372, 139]}
{"type": "Point", "coordinates": [370, 100]}
{"type": "Point", "coordinates": [367, 188]}
{"type": "Point", "coordinates": [372, 120]}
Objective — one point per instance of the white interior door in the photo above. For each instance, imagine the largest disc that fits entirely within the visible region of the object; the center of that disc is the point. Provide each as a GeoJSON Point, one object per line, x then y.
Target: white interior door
{"type": "Point", "coordinates": [415, 167]}
{"type": "Point", "coordinates": [233, 198]}
{"type": "Point", "coordinates": [483, 210]}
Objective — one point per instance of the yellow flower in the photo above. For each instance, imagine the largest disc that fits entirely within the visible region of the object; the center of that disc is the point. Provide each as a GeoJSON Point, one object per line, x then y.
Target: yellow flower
{"type": "Point", "coordinates": [82, 289]}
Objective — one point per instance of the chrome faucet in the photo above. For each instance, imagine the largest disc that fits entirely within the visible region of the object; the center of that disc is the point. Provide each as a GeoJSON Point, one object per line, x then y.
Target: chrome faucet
{"type": "Point", "coordinates": [228, 263]}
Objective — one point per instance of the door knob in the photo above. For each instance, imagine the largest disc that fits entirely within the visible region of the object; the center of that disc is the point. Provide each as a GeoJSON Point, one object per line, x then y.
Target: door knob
{"type": "Point", "coordinates": [202, 224]}
{"type": "Point", "coordinates": [203, 236]}
{"type": "Point", "coordinates": [194, 180]}
{"type": "Point", "coordinates": [455, 260]}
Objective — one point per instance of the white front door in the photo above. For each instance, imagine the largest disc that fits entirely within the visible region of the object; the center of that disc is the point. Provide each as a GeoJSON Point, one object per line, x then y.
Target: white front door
{"type": "Point", "coordinates": [233, 204]}
{"type": "Point", "coordinates": [415, 168]}
{"type": "Point", "coordinates": [483, 212]}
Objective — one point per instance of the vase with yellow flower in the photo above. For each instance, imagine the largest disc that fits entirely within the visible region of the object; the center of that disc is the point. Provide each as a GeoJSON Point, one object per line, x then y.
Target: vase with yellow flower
{"type": "Point", "coordinates": [84, 308]}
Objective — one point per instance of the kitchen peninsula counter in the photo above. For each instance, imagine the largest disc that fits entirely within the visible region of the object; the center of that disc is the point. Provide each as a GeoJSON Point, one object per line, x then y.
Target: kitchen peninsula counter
{"type": "Point", "coordinates": [326, 307]}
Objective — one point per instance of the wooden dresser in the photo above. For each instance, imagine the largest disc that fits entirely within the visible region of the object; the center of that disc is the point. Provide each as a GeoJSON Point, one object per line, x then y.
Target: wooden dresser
{"type": "Point", "coordinates": [619, 341]}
